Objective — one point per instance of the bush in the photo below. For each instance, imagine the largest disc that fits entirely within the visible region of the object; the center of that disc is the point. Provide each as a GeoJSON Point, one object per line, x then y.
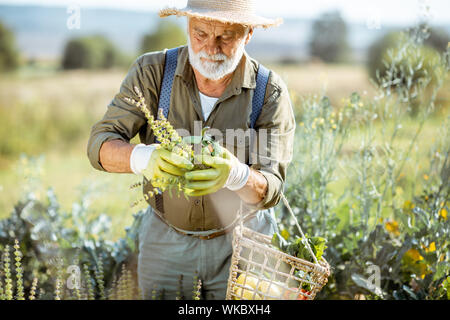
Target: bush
{"type": "Point", "coordinates": [167, 35]}
{"type": "Point", "coordinates": [93, 52]}
{"type": "Point", "coordinates": [9, 56]}
{"type": "Point", "coordinates": [435, 42]}
{"type": "Point", "coordinates": [403, 63]}
{"type": "Point", "coordinates": [329, 38]}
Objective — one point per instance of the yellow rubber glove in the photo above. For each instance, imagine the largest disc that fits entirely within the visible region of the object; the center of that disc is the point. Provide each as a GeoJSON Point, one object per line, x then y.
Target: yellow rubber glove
{"type": "Point", "coordinates": [206, 181]}
{"type": "Point", "coordinates": [165, 167]}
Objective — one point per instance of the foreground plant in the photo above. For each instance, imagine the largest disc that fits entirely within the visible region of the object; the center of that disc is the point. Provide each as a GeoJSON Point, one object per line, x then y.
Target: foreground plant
{"type": "Point", "coordinates": [173, 149]}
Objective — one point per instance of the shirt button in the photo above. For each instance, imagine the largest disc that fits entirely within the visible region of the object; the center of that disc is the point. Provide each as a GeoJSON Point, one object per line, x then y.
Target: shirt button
{"type": "Point", "coordinates": [197, 202]}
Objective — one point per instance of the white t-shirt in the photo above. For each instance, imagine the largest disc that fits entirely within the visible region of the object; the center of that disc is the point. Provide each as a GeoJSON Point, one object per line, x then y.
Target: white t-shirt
{"type": "Point", "coordinates": [207, 104]}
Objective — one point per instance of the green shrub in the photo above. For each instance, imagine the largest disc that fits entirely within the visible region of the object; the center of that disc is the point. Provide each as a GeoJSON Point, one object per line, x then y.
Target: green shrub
{"type": "Point", "coordinates": [435, 42]}
{"type": "Point", "coordinates": [167, 35]}
{"type": "Point", "coordinates": [9, 56]}
{"type": "Point", "coordinates": [92, 52]}
{"type": "Point", "coordinates": [402, 63]}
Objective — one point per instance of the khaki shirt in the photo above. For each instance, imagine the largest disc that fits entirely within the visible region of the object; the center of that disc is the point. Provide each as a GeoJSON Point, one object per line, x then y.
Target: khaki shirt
{"type": "Point", "coordinates": [232, 111]}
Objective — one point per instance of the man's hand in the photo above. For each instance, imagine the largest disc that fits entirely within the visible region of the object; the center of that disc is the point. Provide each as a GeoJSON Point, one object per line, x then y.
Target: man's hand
{"type": "Point", "coordinates": [226, 171]}
{"type": "Point", "coordinates": [165, 166]}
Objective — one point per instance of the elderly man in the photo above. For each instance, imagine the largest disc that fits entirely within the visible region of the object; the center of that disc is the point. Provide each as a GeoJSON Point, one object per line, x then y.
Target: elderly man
{"type": "Point", "coordinates": [214, 83]}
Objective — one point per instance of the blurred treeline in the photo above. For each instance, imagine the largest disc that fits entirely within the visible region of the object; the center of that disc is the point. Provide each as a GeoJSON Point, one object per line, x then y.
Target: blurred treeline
{"type": "Point", "coordinates": [328, 43]}
{"type": "Point", "coordinates": [49, 124]}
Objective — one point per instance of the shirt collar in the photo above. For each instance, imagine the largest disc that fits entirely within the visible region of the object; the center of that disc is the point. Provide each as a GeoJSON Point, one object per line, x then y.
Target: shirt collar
{"type": "Point", "coordinates": [244, 75]}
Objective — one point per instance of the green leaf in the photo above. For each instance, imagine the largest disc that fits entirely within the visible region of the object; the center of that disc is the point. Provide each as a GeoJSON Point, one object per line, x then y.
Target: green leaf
{"type": "Point", "coordinates": [279, 242]}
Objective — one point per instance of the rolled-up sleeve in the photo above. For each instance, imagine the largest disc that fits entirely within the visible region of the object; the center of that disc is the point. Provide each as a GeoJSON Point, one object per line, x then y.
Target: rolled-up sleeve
{"type": "Point", "coordinates": [275, 130]}
{"type": "Point", "coordinates": [122, 120]}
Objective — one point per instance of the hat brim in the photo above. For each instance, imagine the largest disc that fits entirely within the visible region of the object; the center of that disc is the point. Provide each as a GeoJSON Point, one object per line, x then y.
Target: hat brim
{"type": "Point", "coordinates": [224, 16]}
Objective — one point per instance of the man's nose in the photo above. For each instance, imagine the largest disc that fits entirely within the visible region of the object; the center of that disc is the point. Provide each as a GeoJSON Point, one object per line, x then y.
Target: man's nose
{"type": "Point", "coordinates": [212, 46]}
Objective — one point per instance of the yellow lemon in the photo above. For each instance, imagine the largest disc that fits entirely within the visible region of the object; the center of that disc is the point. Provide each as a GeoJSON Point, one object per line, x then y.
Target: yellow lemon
{"type": "Point", "coordinates": [246, 293]}
{"type": "Point", "coordinates": [247, 280]}
{"type": "Point", "coordinates": [273, 291]}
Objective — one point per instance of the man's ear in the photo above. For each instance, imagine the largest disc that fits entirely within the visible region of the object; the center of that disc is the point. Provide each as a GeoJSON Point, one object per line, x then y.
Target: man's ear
{"type": "Point", "coordinates": [249, 35]}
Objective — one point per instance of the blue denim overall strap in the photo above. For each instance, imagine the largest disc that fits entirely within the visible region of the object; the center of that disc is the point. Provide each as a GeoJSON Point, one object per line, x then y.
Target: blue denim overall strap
{"type": "Point", "coordinates": [258, 96]}
{"type": "Point", "coordinates": [170, 65]}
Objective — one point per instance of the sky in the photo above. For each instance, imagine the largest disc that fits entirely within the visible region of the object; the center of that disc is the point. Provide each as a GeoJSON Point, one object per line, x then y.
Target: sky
{"type": "Point", "coordinates": [359, 11]}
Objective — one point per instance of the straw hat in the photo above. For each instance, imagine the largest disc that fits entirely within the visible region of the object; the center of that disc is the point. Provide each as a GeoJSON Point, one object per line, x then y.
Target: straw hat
{"type": "Point", "coordinates": [227, 11]}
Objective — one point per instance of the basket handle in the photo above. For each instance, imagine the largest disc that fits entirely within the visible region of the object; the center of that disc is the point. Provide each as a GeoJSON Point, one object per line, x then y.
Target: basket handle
{"type": "Point", "coordinates": [286, 203]}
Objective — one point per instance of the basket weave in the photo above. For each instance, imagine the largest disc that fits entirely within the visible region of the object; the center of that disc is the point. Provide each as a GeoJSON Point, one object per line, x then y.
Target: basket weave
{"type": "Point", "coordinates": [266, 273]}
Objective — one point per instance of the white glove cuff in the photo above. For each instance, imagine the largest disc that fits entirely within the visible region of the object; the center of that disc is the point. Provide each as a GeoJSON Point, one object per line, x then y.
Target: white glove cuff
{"type": "Point", "coordinates": [238, 177]}
{"type": "Point", "coordinates": [140, 156]}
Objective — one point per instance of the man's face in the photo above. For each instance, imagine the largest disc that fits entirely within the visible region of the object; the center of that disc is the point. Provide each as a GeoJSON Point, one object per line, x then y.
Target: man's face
{"type": "Point", "coordinates": [216, 48]}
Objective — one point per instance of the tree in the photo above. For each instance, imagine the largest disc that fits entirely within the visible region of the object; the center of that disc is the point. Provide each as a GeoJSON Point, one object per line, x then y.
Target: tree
{"type": "Point", "coordinates": [9, 55]}
{"type": "Point", "coordinates": [167, 35]}
{"type": "Point", "coordinates": [92, 52]}
{"type": "Point", "coordinates": [438, 39]}
{"type": "Point", "coordinates": [329, 38]}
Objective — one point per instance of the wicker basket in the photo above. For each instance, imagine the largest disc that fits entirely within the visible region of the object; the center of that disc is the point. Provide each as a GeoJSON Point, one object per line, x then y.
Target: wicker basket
{"type": "Point", "coordinates": [259, 271]}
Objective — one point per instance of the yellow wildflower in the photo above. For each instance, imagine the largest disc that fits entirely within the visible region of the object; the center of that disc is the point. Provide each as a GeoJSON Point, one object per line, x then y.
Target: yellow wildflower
{"type": "Point", "coordinates": [423, 270]}
{"type": "Point", "coordinates": [443, 213]}
{"type": "Point", "coordinates": [413, 255]}
{"type": "Point", "coordinates": [431, 248]}
{"type": "Point", "coordinates": [415, 263]}
{"type": "Point", "coordinates": [408, 206]}
{"type": "Point", "coordinates": [426, 177]}
{"type": "Point", "coordinates": [392, 227]}
{"type": "Point", "coordinates": [285, 234]}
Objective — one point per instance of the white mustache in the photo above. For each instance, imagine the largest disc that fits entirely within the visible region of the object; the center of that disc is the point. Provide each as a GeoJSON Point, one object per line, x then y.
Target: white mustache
{"type": "Point", "coordinates": [214, 57]}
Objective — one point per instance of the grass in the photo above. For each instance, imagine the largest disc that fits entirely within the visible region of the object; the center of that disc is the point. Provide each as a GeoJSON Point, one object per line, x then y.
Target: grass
{"type": "Point", "coordinates": [338, 80]}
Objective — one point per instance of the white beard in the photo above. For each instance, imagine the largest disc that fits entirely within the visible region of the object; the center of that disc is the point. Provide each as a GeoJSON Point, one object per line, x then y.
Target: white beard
{"type": "Point", "coordinates": [215, 70]}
